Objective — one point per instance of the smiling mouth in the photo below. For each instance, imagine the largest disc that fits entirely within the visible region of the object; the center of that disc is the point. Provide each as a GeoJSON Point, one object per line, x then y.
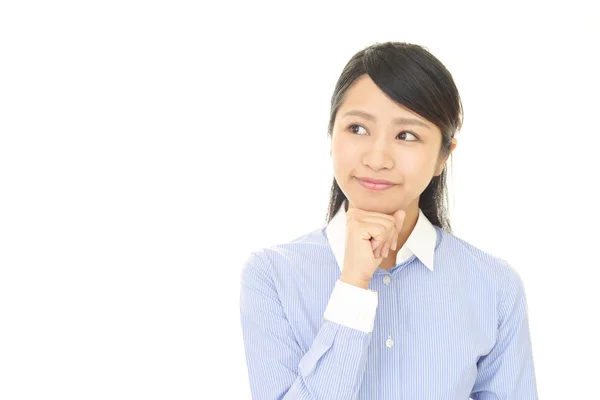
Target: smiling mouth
{"type": "Point", "coordinates": [375, 186]}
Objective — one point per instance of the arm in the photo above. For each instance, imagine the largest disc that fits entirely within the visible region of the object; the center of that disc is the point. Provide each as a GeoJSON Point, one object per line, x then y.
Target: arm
{"type": "Point", "coordinates": [278, 368]}
{"type": "Point", "coordinates": [507, 371]}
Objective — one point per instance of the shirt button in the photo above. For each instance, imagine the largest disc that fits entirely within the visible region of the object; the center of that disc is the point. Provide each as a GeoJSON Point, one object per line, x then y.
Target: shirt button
{"type": "Point", "coordinates": [389, 343]}
{"type": "Point", "coordinates": [386, 279]}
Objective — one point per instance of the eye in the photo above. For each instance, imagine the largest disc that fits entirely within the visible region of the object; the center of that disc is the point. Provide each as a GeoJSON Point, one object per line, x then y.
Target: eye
{"type": "Point", "coordinates": [409, 133]}
{"type": "Point", "coordinates": [352, 128]}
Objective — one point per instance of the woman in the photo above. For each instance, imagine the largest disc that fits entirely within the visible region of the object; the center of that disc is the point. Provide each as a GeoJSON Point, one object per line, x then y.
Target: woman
{"type": "Point", "coordinates": [383, 301]}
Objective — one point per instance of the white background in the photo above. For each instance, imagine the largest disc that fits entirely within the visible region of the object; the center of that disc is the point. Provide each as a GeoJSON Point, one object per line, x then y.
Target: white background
{"type": "Point", "coordinates": [147, 147]}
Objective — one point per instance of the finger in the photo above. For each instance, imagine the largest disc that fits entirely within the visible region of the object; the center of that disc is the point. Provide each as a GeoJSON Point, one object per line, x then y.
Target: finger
{"type": "Point", "coordinates": [399, 217]}
{"type": "Point", "coordinates": [394, 239]}
{"type": "Point", "coordinates": [376, 234]}
{"type": "Point", "coordinates": [386, 222]}
{"type": "Point", "coordinates": [390, 229]}
{"type": "Point", "coordinates": [377, 252]}
{"type": "Point", "coordinates": [364, 213]}
{"type": "Point", "coordinates": [386, 250]}
{"type": "Point", "coordinates": [391, 223]}
{"type": "Point", "coordinates": [389, 242]}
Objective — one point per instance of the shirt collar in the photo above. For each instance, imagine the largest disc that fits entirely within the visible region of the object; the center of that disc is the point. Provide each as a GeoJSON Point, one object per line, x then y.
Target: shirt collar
{"type": "Point", "coordinates": [421, 241]}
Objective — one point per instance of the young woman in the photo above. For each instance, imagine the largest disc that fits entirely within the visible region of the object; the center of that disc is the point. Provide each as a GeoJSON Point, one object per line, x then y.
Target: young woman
{"type": "Point", "coordinates": [383, 301]}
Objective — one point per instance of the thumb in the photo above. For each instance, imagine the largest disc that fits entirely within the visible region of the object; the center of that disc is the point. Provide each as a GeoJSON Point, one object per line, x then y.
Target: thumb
{"type": "Point", "coordinates": [399, 217]}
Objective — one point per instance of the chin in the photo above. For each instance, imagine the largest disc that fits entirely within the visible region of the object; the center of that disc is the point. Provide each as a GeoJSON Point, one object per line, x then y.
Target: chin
{"type": "Point", "coordinates": [379, 204]}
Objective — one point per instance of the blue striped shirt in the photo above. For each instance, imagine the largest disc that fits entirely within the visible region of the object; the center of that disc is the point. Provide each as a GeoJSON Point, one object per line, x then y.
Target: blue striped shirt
{"type": "Point", "coordinates": [448, 321]}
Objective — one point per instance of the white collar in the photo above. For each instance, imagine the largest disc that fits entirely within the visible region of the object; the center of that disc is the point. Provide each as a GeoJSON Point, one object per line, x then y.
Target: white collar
{"type": "Point", "coordinates": [420, 242]}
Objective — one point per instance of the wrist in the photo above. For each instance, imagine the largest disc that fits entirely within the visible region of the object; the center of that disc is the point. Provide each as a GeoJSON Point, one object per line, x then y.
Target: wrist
{"type": "Point", "coordinates": [361, 283]}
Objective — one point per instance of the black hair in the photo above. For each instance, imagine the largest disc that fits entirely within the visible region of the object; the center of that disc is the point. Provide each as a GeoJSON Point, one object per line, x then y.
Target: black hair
{"type": "Point", "coordinates": [411, 76]}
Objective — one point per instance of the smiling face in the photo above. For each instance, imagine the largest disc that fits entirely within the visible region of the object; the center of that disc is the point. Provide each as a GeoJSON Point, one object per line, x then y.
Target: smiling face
{"type": "Point", "coordinates": [374, 137]}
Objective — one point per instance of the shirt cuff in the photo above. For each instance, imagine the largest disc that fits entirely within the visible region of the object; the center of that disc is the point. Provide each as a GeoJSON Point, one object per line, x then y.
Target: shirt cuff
{"type": "Point", "coordinates": [352, 306]}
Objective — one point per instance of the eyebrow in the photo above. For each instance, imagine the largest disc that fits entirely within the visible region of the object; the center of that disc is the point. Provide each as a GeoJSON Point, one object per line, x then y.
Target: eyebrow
{"type": "Point", "coordinates": [399, 121]}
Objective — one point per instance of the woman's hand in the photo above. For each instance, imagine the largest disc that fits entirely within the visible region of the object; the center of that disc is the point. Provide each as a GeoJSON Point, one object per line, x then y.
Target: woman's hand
{"type": "Point", "coordinates": [369, 237]}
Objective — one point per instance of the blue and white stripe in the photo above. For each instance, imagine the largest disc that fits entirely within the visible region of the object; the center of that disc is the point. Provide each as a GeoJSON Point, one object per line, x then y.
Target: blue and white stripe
{"type": "Point", "coordinates": [457, 331]}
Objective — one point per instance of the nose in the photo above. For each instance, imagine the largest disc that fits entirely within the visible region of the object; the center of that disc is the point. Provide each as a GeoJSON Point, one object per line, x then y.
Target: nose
{"type": "Point", "coordinates": [378, 154]}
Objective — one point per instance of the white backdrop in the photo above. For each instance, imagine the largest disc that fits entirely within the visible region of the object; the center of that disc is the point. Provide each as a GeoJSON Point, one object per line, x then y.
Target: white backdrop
{"type": "Point", "coordinates": [147, 147]}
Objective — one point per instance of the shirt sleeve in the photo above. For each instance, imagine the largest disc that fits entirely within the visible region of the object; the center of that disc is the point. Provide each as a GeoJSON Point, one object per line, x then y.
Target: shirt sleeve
{"type": "Point", "coordinates": [352, 306]}
{"type": "Point", "coordinates": [507, 371]}
{"type": "Point", "coordinates": [278, 368]}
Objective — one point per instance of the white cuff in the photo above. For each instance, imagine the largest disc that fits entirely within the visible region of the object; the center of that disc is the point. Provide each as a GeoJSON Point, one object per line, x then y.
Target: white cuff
{"type": "Point", "coordinates": [352, 306]}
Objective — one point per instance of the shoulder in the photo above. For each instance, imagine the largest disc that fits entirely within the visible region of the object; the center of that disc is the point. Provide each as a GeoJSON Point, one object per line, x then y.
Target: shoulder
{"type": "Point", "coordinates": [478, 261]}
{"type": "Point", "coordinates": [271, 260]}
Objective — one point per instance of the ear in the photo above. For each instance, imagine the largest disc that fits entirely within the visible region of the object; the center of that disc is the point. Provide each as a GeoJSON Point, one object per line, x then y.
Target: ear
{"type": "Point", "coordinates": [438, 172]}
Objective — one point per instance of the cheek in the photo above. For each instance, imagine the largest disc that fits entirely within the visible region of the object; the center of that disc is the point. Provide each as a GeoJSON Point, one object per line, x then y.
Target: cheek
{"type": "Point", "coordinates": [343, 154]}
{"type": "Point", "coordinates": [416, 169]}
{"type": "Point", "coordinates": [413, 164]}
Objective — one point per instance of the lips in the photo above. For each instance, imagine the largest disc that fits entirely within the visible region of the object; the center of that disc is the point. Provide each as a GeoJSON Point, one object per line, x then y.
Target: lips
{"type": "Point", "coordinates": [375, 181]}
{"type": "Point", "coordinates": [374, 186]}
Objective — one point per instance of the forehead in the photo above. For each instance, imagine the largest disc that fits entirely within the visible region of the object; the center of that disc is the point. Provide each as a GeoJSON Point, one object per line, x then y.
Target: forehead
{"type": "Point", "coordinates": [365, 95]}
{"type": "Point", "coordinates": [366, 100]}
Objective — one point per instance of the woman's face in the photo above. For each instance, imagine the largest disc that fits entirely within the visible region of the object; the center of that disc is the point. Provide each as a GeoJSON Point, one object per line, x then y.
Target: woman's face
{"type": "Point", "coordinates": [382, 147]}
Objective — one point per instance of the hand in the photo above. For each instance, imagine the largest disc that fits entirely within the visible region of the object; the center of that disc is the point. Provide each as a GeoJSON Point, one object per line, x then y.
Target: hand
{"type": "Point", "coordinates": [369, 237]}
